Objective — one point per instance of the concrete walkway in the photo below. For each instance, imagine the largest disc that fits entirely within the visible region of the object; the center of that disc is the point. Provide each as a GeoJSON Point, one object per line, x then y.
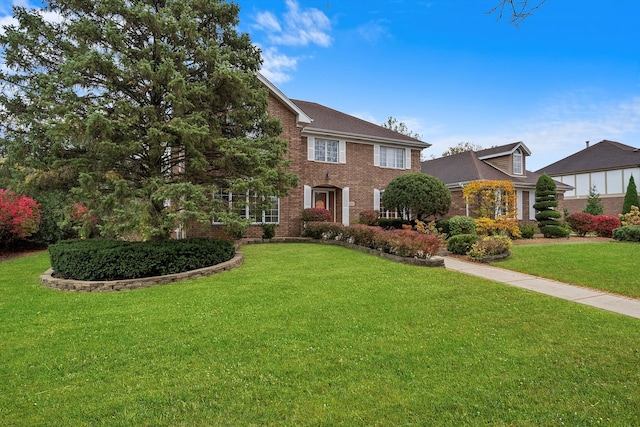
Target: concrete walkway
{"type": "Point", "coordinates": [595, 298]}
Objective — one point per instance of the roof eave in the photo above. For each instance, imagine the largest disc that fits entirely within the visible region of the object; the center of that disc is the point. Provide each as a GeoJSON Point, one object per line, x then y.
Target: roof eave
{"type": "Point", "coordinates": [302, 118]}
{"type": "Point", "coordinates": [364, 138]}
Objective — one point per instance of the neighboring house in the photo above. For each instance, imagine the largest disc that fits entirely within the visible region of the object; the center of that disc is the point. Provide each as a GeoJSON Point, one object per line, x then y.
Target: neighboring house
{"type": "Point", "coordinates": [607, 165]}
{"type": "Point", "coordinates": [343, 164]}
{"type": "Point", "coordinates": [503, 163]}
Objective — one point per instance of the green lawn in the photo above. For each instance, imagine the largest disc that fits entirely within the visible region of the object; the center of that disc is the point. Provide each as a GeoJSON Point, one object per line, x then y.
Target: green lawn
{"type": "Point", "coordinates": [609, 266]}
{"type": "Point", "coordinates": [306, 334]}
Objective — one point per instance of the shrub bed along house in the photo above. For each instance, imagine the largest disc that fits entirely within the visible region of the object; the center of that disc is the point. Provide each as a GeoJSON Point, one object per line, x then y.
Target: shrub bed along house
{"type": "Point", "coordinates": [96, 259]}
{"type": "Point", "coordinates": [403, 243]}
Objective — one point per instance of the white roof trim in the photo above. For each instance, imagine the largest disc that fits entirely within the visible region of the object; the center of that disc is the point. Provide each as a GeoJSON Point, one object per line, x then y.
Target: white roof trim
{"type": "Point", "coordinates": [363, 138]}
{"type": "Point", "coordinates": [302, 118]}
{"type": "Point", "coordinates": [506, 153]}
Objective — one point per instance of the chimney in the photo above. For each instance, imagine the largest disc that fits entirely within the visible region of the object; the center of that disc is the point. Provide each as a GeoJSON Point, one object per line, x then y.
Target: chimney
{"type": "Point", "coordinates": [587, 143]}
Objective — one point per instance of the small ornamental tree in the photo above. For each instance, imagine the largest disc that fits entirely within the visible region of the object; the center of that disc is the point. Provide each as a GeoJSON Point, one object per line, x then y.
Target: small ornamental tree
{"type": "Point", "coordinates": [419, 194]}
{"type": "Point", "coordinates": [495, 205]}
{"type": "Point", "coordinates": [594, 204]}
{"type": "Point", "coordinates": [546, 202]}
{"type": "Point", "coordinates": [19, 217]}
{"type": "Point", "coordinates": [630, 197]}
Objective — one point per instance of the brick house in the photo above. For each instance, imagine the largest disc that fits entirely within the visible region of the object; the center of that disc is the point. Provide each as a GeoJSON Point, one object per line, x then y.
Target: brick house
{"type": "Point", "coordinates": [343, 164]}
{"type": "Point", "coordinates": [607, 165]}
{"type": "Point", "coordinates": [503, 163]}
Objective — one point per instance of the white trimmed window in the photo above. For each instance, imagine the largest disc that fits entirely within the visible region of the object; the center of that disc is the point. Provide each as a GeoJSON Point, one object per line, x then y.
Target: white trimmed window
{"type": "Point", "coordinates": [250, 206]}
{"type": "Point", "coordinates": [517, 162]}
{"type": "Point", "coordinates": [391, 157]}
{"type": "Point", "coordinates": [326, 150]}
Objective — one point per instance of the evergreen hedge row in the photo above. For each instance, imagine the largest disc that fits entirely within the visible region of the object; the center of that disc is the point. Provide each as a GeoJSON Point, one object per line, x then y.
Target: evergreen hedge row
{"type": "Point", "coordinates": [97, 259]}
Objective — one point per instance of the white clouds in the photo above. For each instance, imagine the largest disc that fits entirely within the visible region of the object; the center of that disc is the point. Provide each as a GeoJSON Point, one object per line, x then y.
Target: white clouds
{"type": "Point", "coordinates": [373, 31]}
{"type": "Point", "coordinates": [297, 27]}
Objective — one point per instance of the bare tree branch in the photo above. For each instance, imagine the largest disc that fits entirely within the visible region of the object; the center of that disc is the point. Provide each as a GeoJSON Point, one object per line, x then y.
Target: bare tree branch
{"type": "Point", "coordinates": [518, 10]}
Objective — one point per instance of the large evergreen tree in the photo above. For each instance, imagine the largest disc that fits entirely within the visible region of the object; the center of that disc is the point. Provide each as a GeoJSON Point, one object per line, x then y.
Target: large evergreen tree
{"type": "Point", "coordinates": [630, 197]}
{"type": "Point", "coordinates": [140, 108]}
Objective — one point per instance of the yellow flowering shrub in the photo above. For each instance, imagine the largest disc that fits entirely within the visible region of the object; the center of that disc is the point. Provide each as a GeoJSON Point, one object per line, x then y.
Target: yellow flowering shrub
{"type": "Point", "coordinates": [494, 204]}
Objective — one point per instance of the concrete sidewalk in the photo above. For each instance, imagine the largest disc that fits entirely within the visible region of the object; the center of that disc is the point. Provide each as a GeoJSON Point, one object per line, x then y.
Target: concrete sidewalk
{"type": "Point", "coordinates": [586, 296]}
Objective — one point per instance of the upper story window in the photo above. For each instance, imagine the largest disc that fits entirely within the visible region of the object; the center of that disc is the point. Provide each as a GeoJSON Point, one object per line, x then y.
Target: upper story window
{"type": "Point", "coordinates": [391, 157]}
{"type": "Point", "coordinates": [517, 162]}
{"type": "Point", "coordinates": [326, 150]}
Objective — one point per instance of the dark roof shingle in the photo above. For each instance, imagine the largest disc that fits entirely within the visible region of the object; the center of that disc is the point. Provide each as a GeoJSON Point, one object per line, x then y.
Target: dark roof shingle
{"type": "Point", "coordinates": [603, 155]}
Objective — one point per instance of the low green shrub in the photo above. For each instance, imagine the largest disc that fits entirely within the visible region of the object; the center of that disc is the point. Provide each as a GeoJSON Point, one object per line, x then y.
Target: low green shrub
{"type": "Point", "coordinates": [527, 231]}
{"type": "Point", "coordinates": [555, 231]}
{"type": "Point", "coordinates": [460, 244]}
{"type": "Point", "coordinates": [268, 230]}
{"type": "Point", "coordinates": [461, 225]}
{"type": "Point", "coordinates": [323, 230]}
{"type": "Point", "coordinates": [490, 246]}
{"type": "Point", "coordinates": [96, 259]}
{"type": "Point", "coordinates": [392, 223]}
{"type": "Point", "coordinates": [627, 233]}
{"type": "Point", "coordinates": [443, 226]}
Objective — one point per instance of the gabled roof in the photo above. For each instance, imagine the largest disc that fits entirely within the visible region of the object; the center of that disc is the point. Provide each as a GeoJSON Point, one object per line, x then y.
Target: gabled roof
{"type": "Point", "coordinates": [603, 155]}
{"type": "Point", "coordinates": [503, 150]}
{"type": "Point", "coordinates": [327, 121]}
{"type": "Point", "coordinates": [461, 168]}
{"type": "Point", "coordinates": [301, 118]}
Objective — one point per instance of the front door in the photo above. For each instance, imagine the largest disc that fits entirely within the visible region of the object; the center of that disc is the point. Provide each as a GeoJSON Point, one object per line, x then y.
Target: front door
{"type": "Point", "coordinates": [325, 199]}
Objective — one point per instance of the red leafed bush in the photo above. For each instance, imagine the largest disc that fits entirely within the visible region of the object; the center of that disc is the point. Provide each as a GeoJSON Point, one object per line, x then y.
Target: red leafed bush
{"type": "Point", "coordinates": [408, 243]}
{"type": "Point", "coordinates": [316, 214]}
{"type": "Point", "coordinates": [370, 217]}
{"type": "Point", "coordinates": [19, 216]}
{"type": "Point", "coordinates": [581, 223]}
{"type": "Point", "coordinates": [605, 224]}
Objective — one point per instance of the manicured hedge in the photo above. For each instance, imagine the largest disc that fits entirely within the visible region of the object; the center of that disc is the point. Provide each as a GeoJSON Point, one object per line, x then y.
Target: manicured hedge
{"type": "Point", "coordinates": [97, 259]}
{"type": "Point", "coordinates": [627, 233]}
{"type": "Point", "coordinates": [460, 244]}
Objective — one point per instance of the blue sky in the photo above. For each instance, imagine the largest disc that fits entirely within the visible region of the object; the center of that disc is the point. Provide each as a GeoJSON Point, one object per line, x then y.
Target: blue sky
{"type": "Point", "coordinates": [453, 73]}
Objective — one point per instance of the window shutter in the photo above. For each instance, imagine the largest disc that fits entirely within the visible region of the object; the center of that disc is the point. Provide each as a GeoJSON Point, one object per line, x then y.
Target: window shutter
{"type": "Point", "coordinates": [342, 151]}
{"type": "Point", "coordinates": [376, 199]}
{"type": "Point", "coordinates": [376, 155]}
{"type": "Point", "coordinates": [532, 201]}
{"type": "Point", "coordinates": [407, 158]}
{"type": "Point", "coordinates": [311, 148]}
{"type": "Point", "coordinates": [307, 197]}
{"type": "Point", "coordinates": [345, 206]}
{"type": "Point", "coordinates": [519, 203]}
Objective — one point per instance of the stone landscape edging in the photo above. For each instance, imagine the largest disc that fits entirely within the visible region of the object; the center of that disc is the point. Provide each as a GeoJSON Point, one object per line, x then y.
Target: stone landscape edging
{"type": "Point", "coordinates": [48, 280]}
{"type": "Point", "coordinates": [127, 284]}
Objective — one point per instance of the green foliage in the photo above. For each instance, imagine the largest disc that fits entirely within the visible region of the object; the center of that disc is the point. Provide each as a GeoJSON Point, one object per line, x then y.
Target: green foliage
{"type": "Point", "coordinates": [461, 224]}
{"type": "Point", "coordinates": [443, 226]}
{"type": "Point", "coordinates": [630, 197]}
{"type": "Point", "coordinates": [268, 230]}
{"type": "Point", "coordinates": [461, 147]}
{"type": "Point", "coordinates": [392, 223]}
{"type": "Point", "coordinates": [546, 202]}
{"type": "Point", "coordinates": [400, 127]}
{"type": "Point", "coordinates": [527, 231]}
{"type": "Point", "coordinates": [594, 204]}
{"type": "Point", "coordinates": [420, 194]}
{"type": "Point", "coordinates": [97, 259]}
{"type": "Point", "coordinates": [627, 233]}
{"type": "Point", "coordinates": [490, 246]}
{"type": "Point", "coordinates": [460, 244]}
{"type": "Point", "coordinates": [130, 107]}
{"type": "Point", "coordinates": [234, 225]}
{"type": "Point", "coordinates": [555, 231]}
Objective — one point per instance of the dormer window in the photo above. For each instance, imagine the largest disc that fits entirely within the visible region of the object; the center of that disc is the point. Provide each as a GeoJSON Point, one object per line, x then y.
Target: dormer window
{"type": "Point", "coordinates": [517, 162]}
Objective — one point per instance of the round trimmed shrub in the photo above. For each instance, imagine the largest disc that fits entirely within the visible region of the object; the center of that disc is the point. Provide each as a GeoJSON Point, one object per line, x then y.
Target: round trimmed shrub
{"type": "Point", "coordinates": [460, 224]}
{"type": "Point", "coordinates": [555, 231]}
{"type": "Point", "coordinates": [581, 223]}
{"type": "Point", "coordinates": [460, 244]}
{"type": "Point", "coordinates": [605, 224]}
{"type": "Point", "coordinates": [527, 231]}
